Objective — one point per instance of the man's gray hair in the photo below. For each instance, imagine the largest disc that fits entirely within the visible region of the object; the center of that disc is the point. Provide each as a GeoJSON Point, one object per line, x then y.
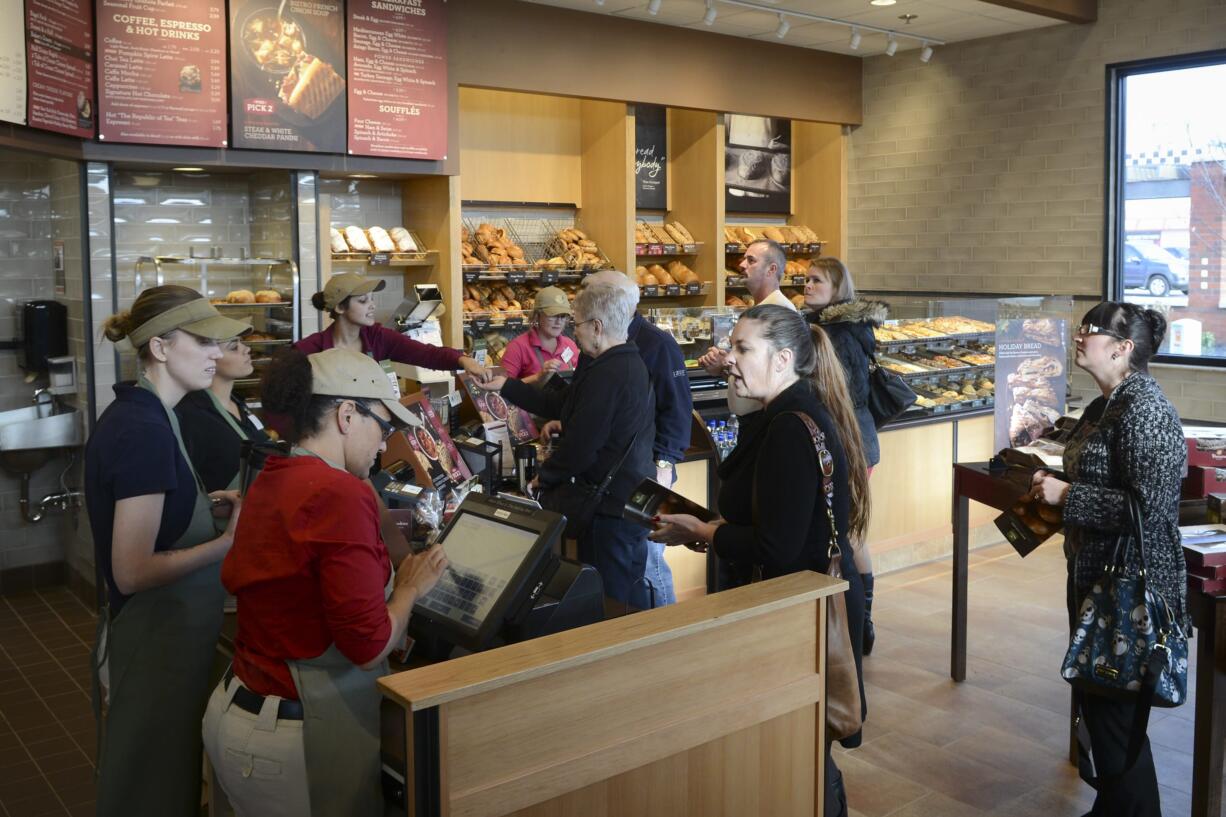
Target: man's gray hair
{"type": "Point", "coordinates": [610, 304]}
{"type": "Point", "coordinates": [615, 278]}
{"type": "Point", "coordinates": [772, 253]}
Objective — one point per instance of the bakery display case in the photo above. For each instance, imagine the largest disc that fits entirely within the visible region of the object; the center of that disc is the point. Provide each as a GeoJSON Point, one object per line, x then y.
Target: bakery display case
{"type": "Point", "coordinates": [948, 361]}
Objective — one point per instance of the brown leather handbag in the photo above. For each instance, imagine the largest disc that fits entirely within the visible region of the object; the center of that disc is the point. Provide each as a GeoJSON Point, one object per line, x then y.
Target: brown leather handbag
{"type": "Point", "coordinates": [843, 706]}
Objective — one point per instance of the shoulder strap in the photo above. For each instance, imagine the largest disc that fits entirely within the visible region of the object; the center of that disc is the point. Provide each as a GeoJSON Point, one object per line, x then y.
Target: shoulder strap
{"type": "Point", "coordinates": [825, 464]}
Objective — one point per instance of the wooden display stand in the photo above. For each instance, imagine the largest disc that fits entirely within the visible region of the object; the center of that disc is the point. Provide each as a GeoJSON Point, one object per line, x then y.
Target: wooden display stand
{"type": "Point", "coordinates": [714, 706]}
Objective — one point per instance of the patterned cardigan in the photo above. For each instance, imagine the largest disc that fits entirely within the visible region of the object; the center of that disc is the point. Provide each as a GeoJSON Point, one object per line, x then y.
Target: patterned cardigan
{"type": "Point", "coordinates": [1136, 444]}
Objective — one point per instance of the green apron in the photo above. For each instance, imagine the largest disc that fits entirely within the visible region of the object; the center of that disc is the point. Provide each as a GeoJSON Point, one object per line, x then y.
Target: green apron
{"type": "Point", "coordinates": [160, 650]}
{"type": "Point", "coordinates": [238, 429]}
{"type": "Point", "coordinates": [340, 727]}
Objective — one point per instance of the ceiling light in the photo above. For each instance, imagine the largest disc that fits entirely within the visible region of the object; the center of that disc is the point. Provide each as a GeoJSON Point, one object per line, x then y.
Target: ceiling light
{"type": "Point", "coordinates": [653, 8]}
{"type": "Point", "coordinates": [363, 176]}
{"type": "Point", "coordinates": [709, 17]}
{"type": "Point", "coordinates": [882, 2]}
{"type": "Point", "coordinates": [784, 25]}
{"type": "Point", "coordinates": [891, 46]}
{"type": "Point", "coordinates": [926, 54]}
{"type": "Point", "coordinates": [188, 169]}
{"type": "Point", "coordinates": [855, 39]}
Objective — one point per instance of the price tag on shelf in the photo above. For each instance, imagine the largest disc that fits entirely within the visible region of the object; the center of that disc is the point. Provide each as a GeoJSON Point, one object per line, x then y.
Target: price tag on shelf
{"type": "Point", "coordinates": [668, 249]}
{"type": "Point", "coordinates": [693, 288]}
{"type": "Point", "coordinates": [655, 249]}
{"type": "Point", "coordinates": [548, 278]}
{"type": "Point", "coordinates": [640, 249]}
{"type": "Point", "coordinates": [814, 248]}
{"type": "Point", "coordinates": [514, 323]}
{"type": "Point", "coordinates": [480, 324]}
{"type": "Point", "coordinates": [471, 276]}
{"type": "Point", "coordinates": [797, 248]}
{"type": "Point", "coordinates": [689, 249]}
{"type": "Point", "coordinates": [651, 291]}
{"type": "Point", "coordinates": [516, 276]}
{"type": "Point", "coordinates": [672, 290]}
{"type": "Point", "coordinates": [380, 259]}
{"type": "Point", "coordinates": [732, 249]}
{"type": "Point", "coordinates": [798, 280]}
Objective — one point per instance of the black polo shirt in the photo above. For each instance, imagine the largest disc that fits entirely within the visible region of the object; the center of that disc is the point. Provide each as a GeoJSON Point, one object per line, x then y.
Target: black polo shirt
{"type": "Point", "coordinates": [212, 443]}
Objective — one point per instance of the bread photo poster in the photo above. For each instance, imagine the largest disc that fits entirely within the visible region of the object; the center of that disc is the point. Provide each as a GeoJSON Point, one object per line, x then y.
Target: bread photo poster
{"type": "Point", "coordinates": [287, 73]}
{"type": "Point", "coordinates": [1031, 374]}
{"type": "Point", "coordinates": [757, 164]}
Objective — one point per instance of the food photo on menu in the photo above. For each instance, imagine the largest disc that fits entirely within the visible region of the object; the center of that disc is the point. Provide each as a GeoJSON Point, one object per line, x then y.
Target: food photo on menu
{"type": "Point", "coordinates": [429, 448]}
{"type": "Point", "coordinates": [494, 409]}
{"type": "Point", "coordinates": [287, 71]}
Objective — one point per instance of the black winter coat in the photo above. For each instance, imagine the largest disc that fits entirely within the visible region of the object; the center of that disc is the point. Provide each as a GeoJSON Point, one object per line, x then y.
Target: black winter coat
{"type": "Point", "coordinates": [849, 325]}
{"type": "Point", "coordinates": [606, 402]}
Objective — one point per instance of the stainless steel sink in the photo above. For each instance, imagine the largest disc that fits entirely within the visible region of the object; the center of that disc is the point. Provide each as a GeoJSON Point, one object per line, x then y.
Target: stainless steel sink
{"type": "Point", "coordinates": [29, 439]}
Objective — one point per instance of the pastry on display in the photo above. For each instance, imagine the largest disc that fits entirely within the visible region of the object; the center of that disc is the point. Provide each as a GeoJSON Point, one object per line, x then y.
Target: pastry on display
{"type": "Point", "coordinates": [268, 296]}
{"type": "Point", "coordinates": [310, 87]}
{"type": "Point", "coordinates": [356, 238]}
{"type": "Point", "coordinates": [380, 241]}
{"type": "Point", "coordinates": [240, 296]}
{"type": "Point", "coordinates": [678, 233]}
{"type": "Point", "coordinates": [338, 242]}
{"type": "Point", "coordinates": [576, 249]}
{"type": "Point", "coordinates": [774, 234]}
{"type": "Point", "coordinates": [738, 301]}
{"type": "Point", "coordinates": [403, 240]}
{"type": "Point", "coordinates": [492, 246]}
{"type": "Point", "coordinates": [681, 273]}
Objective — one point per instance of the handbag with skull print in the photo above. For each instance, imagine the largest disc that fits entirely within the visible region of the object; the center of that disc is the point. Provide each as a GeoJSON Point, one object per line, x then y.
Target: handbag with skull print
{"type": "Point", "coordinates": [1126, 640]}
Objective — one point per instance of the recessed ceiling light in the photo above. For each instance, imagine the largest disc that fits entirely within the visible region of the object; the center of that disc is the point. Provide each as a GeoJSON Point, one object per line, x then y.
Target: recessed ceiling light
{"type": "Point", "coordinates": [882, 2]}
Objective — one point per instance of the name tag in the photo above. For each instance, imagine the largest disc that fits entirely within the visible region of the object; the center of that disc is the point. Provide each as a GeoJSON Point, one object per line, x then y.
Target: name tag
{"type": "Point", "coordinates": [567, 354]}
{"type": "Point", "coordinates": [255, 421]}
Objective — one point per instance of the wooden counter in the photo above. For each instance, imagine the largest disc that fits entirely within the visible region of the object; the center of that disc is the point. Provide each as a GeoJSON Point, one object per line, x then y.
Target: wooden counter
{"type": "Point", "coordinates": [714, 706]}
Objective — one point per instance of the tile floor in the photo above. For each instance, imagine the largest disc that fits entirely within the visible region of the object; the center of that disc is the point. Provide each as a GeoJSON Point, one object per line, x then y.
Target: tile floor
{"type": "Point", "coordinates": [994, 745]}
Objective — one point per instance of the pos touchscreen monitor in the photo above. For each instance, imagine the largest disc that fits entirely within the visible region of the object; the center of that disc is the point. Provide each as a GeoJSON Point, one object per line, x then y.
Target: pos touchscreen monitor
{"type": "Point", "coordinates": [501, 556]}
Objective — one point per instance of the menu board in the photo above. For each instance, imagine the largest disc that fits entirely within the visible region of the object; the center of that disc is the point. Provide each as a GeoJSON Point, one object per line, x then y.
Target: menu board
{"type": "Point", "coordinates": [398, 78]}
{"type": "Point", "coordinates": [162, 77]}
{"type": "Point", "coordinates": [60, 66]}
{"type": "Point", "coordinates": [287, 66]}
{"type": "Point", "coordinates": [12, 66]}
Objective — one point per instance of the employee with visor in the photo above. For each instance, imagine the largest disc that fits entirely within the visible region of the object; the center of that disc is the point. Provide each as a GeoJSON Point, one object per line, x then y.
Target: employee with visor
{"type": "Point", "coordinates": [293, 728]}
{"type": "Point", "coordinates": [158, 548]}
{"type": "Point", "coordinates": [216, 421]}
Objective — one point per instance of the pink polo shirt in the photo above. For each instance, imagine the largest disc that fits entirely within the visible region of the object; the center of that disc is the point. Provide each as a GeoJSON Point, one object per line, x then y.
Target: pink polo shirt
{"type": "Point", "coordinates": [521, 356]}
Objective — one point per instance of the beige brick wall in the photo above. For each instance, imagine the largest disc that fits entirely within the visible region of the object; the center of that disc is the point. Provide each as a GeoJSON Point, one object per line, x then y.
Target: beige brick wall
{"type": "Point", "coordinates": [982, 171]}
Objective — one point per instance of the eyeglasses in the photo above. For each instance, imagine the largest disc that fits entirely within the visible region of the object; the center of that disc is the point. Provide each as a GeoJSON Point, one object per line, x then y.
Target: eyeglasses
{"type": "Point", "coordinates": [387, 428]}
{"type": "Point", "coordinates": [577, 324]}
{"type": "Point", "coordinates": [1087, 329]}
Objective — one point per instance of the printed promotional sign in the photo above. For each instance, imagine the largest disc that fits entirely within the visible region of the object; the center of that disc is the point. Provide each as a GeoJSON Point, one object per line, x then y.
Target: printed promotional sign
{"type": "Point", "coordinates": [287, 66]}
{"type": "Point", "coordinates": [60, 66]}
{"type": "Point", "coordinates": [398, 78]}
{"type": "Point", "coordinates": [428, 448]}
{"type": "Point", "coordinates": [162, 72]}
{"type": "Point", "coordinates": [650, 149]}
{"type": "Point", "coordinates": [12, 65]}
{"type": "Point", "coordinates": [1030, 379]}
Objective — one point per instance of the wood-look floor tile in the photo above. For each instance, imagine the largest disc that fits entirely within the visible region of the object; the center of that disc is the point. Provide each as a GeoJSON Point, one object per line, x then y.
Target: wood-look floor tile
{"type": "Point", "coordinates": [935, 804]}
{"type": "Point", "coordinates": [878, 791]}
{"type": "Point", "coordinates": [1012, 754]}
{"type": "Point", "coordinates": [1046, 801]}
{"type": "Point", "coordinates": [963, 779]}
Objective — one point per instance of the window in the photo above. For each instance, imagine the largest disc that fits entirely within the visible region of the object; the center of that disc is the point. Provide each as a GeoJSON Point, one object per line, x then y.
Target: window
{"type": "Point", "coordinates": [1166, 217]}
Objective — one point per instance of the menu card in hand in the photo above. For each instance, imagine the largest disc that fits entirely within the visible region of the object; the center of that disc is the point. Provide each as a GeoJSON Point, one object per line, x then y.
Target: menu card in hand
{"type": "Point", "coordinates": [650, 499]}
{"type": "Point", "coordinates": [1028, 524]}
{"type": "Point", "coordinates": [436, 461]}
{"type": "Point", "coordinates": [494, 409]}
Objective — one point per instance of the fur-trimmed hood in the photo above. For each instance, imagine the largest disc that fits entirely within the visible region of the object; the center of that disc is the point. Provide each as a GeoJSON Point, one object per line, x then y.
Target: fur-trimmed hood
{"type": "Point", "coordinates": [855, 311]}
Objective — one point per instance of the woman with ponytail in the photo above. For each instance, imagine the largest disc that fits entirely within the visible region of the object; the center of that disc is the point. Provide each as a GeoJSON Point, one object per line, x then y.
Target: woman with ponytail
{"type": "Point", "coordinates": [1128, 441]}
{"type": "Point", "coordinates": [774, 509]}
{"type": "Point", "coordinates": [158, 548]}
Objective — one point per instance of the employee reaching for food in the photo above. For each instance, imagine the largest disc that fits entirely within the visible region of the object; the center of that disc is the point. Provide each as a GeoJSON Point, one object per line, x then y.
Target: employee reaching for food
{"type": "Point", "coordinates": [349, 300]}
{"type": "Point", "coordinates": [216, 422]}
{"type": "Point", "coordinates": [319, 606]}
{"type": "Point", "coordinates": [158, 547]}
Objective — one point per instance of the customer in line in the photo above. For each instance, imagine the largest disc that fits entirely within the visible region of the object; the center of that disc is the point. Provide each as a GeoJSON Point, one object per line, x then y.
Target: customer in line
{"type": "Point", "coordinates": [159, 548]}
{"type": "Point", "coordinates": [293, 727]}
{"type": "Point", "coordinates": [605, 413]}
{"type": "Point", "coordinates": [544, 349]}
{"type": "Point", "coordinates": [670, 384]}
{"type": "Point", "coordinates": [216, 421]}
{"type": "Point", "coordinates": [349, 299]}
{"type": "Point", "coordinates": [831, 302]}
{"type": "Point", "coordinates": [1128, 441]}
{"type": "Point", "coordinates": [774, 509]}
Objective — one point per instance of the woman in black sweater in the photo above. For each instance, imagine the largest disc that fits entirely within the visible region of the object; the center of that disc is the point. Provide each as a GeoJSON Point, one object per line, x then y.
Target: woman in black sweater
{"type": "Point", "coordinates": [1130, 440]}
{"type": "Point", "coordinates": [774, 511]}
{"type": "Point", "coordinates": [830, 301]}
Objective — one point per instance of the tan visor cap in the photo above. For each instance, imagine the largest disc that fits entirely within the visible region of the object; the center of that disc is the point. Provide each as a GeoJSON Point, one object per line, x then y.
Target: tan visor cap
{"type": "Point", "coordinates": [348, 284]}
{"type": "Point", "coordinates": [553, 301]}
{"type": "Point", "coordinates": [199, 317]}
{"type": "Point", "coordinates": [348, 374]}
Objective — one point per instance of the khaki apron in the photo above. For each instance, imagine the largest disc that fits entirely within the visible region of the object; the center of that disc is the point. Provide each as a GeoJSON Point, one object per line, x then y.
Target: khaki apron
{"type": "Point", "coordinates": [238, 429]}
{"type": "Point", "coordinates": [160, 650]}
{"type": "Point", "coordinates": [340, 727]}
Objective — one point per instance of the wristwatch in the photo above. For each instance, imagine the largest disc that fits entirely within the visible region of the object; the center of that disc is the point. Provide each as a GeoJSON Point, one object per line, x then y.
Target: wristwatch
{"type": "Point", "coordinates": [664, 464]}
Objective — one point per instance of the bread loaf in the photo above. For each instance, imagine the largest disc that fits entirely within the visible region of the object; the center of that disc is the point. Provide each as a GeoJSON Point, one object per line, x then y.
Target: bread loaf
{"type": "Point", "coordinates": [355, 237]}
{"type": "Point", "coordinates": [338, 241]}
{"type": "Point", "coordinates": [404, 240]}
{"type": "Point", "coordinates": [241, 296]}
{"type": "Point", "coordinates": [380, 240]}
{"type": "Point", "coordinates": [774, 234]}
{"type": "Point", "coordinates": [268, 296]}
{"type": "Point", "coordinates": [675, 235]}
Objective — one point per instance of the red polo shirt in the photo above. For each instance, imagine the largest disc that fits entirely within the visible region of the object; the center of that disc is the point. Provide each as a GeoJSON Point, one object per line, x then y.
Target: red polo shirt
{"type": "Point", "coordinates": [308, 567]}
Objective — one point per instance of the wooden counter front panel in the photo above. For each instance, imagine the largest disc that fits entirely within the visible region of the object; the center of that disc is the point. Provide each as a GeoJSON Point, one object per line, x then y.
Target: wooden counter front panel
{"type": "Point", "coordinates": [516, 747]}
{"type": "Point", "coordinates": [765, 769]}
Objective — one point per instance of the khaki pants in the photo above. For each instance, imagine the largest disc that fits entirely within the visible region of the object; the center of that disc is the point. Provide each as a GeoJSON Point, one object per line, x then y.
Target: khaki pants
{"type": "Point", "coordinates": [258, 759]}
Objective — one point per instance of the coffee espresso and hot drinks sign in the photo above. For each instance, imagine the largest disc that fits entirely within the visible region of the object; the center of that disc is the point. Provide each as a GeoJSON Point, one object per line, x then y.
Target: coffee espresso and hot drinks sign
{"type": "Point", "coordinates": [366, 77]}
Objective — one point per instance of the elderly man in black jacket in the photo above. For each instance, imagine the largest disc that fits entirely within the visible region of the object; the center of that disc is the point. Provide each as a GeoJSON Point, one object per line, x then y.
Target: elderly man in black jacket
{"type": "Point", "coordinates": [606, 412]}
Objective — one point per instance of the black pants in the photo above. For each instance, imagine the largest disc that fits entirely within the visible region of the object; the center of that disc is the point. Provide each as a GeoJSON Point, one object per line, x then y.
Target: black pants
{"type": "Point", "coordinates": [1120, 794]}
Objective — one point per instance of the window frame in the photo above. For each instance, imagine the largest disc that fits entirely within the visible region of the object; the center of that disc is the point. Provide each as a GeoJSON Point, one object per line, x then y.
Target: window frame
{"type": "Point", "coordinates": [1113, 228]}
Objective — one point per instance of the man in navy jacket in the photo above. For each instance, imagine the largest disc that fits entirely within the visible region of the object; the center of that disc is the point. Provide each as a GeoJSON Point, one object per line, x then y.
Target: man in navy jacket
{"type": "Point", "coordinates": [674, 406]}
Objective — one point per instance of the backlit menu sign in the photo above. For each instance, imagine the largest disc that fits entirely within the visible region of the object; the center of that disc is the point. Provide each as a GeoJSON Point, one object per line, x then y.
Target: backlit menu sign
{"type": "Point", "coordinates": [12, 66]}
{"type": "Point", "coordinates": [60, 66]}
{"type": "Point", "coordinates": [161, 71]}
{"type": "Point", "coordinates": [398, 78]}
{"type": "Point", "coordinates": [287, 73]}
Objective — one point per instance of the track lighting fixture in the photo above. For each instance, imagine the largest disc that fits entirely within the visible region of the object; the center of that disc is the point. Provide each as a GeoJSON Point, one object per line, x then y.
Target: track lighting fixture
{"type": "Point", "coordinates": [709, 17]}
{"type": "Point", "coordinates": [855, 39]}
{"type": "Point", "coordinates": [891, 47]}
{"type": "Point", "coordinates": [653, 8]}
{"type": "Point", "coordinates": [784, 25]}
{"type": "Point", "coordinates": [926, 53]}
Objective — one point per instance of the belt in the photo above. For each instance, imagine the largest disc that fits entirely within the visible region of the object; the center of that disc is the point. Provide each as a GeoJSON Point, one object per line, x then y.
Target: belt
{"type": "Point", "coordinates": [249, 701]}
